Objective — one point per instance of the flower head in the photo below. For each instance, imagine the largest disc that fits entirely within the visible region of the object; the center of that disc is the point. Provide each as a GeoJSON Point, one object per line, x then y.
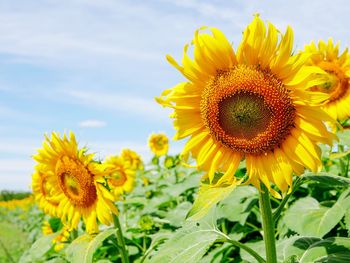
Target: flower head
{"type": "Point", "coordinates": [119, 174]}
{"type": "Point", "coordinates": [336, 80]}
{"type": "Point", "coordinates": [132, 159]}
{"type": "Point", "coordinates": [251, 104]}
{"type": "Point", "coordinates": [73, 183]}
{"type": "Point", "coordinates": [159, 144]}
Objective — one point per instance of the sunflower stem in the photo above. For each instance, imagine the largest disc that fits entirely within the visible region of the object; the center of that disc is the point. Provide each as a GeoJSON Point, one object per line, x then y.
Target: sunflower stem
{"type": "Point", "coordinates": [268, 225]}
{"type": "Point", "coordinates": [121, 241]}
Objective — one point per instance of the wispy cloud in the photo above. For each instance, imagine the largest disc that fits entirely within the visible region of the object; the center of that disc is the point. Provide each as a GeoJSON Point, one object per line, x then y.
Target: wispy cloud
{"type": "Point", "coordinates": [92, 124]}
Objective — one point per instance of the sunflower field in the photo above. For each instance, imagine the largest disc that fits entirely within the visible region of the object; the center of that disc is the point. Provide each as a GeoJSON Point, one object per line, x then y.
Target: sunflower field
{"type": "Point", "coordinates": [263, 176]}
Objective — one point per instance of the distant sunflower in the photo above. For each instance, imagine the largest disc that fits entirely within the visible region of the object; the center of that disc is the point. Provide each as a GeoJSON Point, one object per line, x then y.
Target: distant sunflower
{"type": "Point", "coordinates": [159, 144]}
{"type": "Point", "coordinates": [132, 159]}
{"type": "Point", "coordinates": [337, 78]}
{"type": "Point", "coordinates": [74, 181]}
{"type": "Point", "coordinates": [42, 192]}
{"type": "Point", "coordinates": [250, 105]}
{"type": "Point", "coordinates": [120, 176]}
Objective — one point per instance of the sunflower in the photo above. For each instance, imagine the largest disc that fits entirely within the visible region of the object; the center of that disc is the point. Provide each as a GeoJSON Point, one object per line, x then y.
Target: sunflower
{"type": "Point", "coordinates": [75, 183]}
{"type": "Point", "coordinates": [120, 176]}
{"type": "Point", "coordinates": [132, 159]}
{"type": "Point", "coordinates": [159, 144]}
{"type": "Point", "coordinates": [336, 78]}
{"type": "Point", "coordinates": [42, 193]}
{"type": "Point", "coordinates": [250, 105]}
{"type": "Point", "coordinates": [62, 239]}
{"type": "Point", "coordinates": [46, 228]}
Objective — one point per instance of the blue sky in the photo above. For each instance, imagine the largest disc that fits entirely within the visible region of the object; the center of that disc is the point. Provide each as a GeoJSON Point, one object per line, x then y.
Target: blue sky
{"type": "Point", "coordinates": [94, 67]}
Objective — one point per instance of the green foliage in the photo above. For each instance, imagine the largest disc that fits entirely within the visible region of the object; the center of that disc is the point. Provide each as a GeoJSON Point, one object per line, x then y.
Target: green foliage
{"type": "Point", "coordinates": [187, 244]}
{"type": "Point", "coordinates": [83, 248]}
{"type": "Point", "coordinates": [314, 225]}
{"type": "Point", "coordinates": [208, 196]}
{"type": "Point", "coordinates": [308, 217]}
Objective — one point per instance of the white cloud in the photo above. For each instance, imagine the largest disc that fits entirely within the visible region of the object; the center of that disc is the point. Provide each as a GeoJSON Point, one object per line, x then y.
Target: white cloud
{"type": "Point", "coordinates": [92, 124]}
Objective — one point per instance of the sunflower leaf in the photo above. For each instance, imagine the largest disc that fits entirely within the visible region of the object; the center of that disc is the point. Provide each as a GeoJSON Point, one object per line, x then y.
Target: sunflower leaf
{"type": "Point", "coordinates": [317, 220]}
{"type": "Point", "coordinates": [334, 249]}
{"type": "Point", "coordinates": [208, 196]}
{"type": "Point", "coordinates": [328, 179]}
{"type": "Point", "coordinates": [188, 244]}
{"type": "Point", "coordinates": [82, 249]}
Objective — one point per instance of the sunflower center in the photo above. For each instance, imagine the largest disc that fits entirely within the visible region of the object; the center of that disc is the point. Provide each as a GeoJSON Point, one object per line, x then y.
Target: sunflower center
{"type": "Point", "coordinates": [247, 109]}
{"type": "Point", "coordinates": [337, 83]}
{"type": "Point", "coordinates": [244, 115]}
{"type": "Point", "coordinates": [117, 178]}
{"type": "Point", "coordinates": [76, 182]}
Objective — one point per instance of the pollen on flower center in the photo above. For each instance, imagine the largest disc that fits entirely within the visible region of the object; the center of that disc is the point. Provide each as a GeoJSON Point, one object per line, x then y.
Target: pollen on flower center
{"type": "Point", "coordinates": [244, 115]}
{"type": "Point", "coordinates": [247, 109]}
{"type": "Point", "coordinates": [76, 182]}
{"type": "Point", "coordinates": [117, 178]}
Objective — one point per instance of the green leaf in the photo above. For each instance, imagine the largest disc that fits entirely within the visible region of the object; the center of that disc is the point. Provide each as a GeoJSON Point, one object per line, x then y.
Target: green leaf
{"type": "Point", "coordinates": [208, 196]}
{"type": "Point", "coordinates": [339, 155]}
{"type": "Point", "coordinates": [82, 249]}
{"type": "Point", "coordinates": [328, 179]}
{"type": "Point", "coordinates": [286, 249]}
{"type": "Point", "coordinates": [177, 216]}
{"type": "Point", "coordinates": [331, 250]}
{"type": "Point", "coordinates": [239, 201]}
{"type": "Point", "coordinates": [308, 218]}
{"type": "Point", "coordinates": [39, 249]}
{"type": "Point", "coordinates": [188, 244]}
{"type": "Point", "coordinates": [347, 220]}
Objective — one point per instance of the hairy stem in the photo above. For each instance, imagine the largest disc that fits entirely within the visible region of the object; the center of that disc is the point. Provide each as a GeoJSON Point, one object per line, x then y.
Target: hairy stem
{"type": "Point", "coordinates": [268, 225]}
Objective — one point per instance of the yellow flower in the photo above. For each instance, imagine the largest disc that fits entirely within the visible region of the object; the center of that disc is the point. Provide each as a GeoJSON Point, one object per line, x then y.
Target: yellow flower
{"type": "Point", "coordinates": [46, 228]}
{"type": "Point", "coordinates": [132, 159]}
{"type": "Point", "coordinates": [159, 144]}
{"type": "Point", "coordinates": [120, 176]}
{"type": "Point", "coordinates": [24, 203]}
{"type": "Point", "coordinates": [251, 104]}
{"type": "Point", "coordinates": [75, 183]}
{"type": "Point", "coordinates": [62, 239]}
{"type": "Point", "coordinates": [42, 193]}
{"type": "Point", "coordinates": [336, 78]}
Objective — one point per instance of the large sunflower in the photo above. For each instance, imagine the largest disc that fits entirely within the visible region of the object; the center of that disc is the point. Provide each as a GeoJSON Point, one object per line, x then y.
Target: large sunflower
{"type": "Point", "coordinates": [337, 77]}
{"type": "Point", "coordinates": [75, 182]}
{"type": "Point", "coordinates": [252, 104]}
{"type": "Point", "coordinates": [120, 176]}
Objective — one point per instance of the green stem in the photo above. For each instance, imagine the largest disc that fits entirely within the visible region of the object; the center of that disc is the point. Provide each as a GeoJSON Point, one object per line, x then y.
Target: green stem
{"type": "Point", "coordinates": [280, 208]}
{"type": "Point", "coordinates": [121, 241]}
{"type": "Point", "coordinates": [268, 225]}
{"type": "Point", "coordinates": [244, 247]}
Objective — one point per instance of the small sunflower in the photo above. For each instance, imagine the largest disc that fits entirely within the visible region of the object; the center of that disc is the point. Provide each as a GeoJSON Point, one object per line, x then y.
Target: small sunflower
{"type": "Point", "coordinates": [337, 78]}
{"type": "Point", "coordinates": [75, 183]}
{"type": "Point", "coordinates": [62, 239]}
{"type": "Point", "coordinates": [42, 193]}
{"type": "Point", "coordinates": [46, 228]}
{"type": "Point", "coordinates": [120, 176]}
{"type": "Point", "coordinates": [132, 159]}
{"type": "Point", "coordinates": [252, 104]}
{"type": "Point", "coordinates": [159, 144]}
